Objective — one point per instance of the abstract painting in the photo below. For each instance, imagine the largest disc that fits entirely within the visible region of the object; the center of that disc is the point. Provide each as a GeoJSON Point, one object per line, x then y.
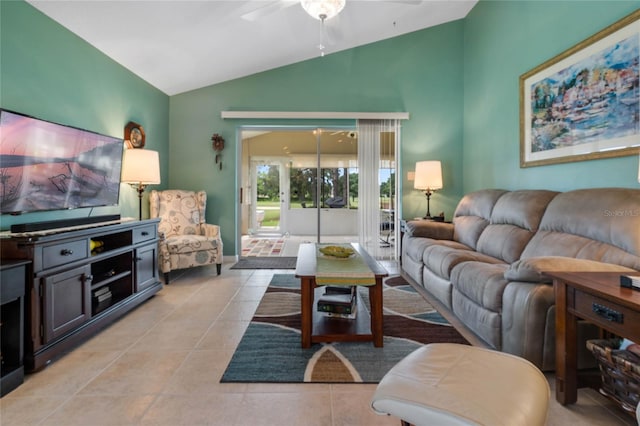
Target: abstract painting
{"type": "Point", "coordinates": [584, 103]}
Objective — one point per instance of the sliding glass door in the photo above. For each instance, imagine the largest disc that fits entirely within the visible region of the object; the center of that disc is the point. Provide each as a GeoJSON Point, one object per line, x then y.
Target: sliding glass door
{"type": "Point", "coordinates": [305, 184]}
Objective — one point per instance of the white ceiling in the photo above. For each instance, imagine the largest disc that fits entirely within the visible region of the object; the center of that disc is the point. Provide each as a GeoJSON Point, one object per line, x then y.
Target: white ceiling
{"type": "Point", "coordinates": [182, 45]}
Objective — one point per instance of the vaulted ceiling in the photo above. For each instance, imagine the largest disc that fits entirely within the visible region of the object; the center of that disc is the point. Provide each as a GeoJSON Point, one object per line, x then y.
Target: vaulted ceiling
{"type": "Point", "coordinates": [182, 45]}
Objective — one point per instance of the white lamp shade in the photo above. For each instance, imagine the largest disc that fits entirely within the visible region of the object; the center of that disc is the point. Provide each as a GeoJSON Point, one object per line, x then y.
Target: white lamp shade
{"type": "Point", "coordinates": [428, 175]}
{"type": "Point", "coordinates": [141, 166]}
{"type": "Point", "coordinates": [323, 8]}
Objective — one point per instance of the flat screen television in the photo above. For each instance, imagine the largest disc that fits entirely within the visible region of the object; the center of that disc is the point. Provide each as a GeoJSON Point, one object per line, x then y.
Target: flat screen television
{"type": "Point", "coordinates": [48, 166]}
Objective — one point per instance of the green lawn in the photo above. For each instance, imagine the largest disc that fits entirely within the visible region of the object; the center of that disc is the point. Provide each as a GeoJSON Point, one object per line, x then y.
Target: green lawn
{"type": "Point", "coordinates": [272, 211]}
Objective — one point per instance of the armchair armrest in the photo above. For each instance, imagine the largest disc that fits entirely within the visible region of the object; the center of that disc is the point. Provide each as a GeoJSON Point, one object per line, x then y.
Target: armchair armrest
{"type": "Point", "coordinates": [533, 269]}
{"type": "Point", "coordinates": [212, 231]}
{"type": "Point", "coordinates": [429, 229]}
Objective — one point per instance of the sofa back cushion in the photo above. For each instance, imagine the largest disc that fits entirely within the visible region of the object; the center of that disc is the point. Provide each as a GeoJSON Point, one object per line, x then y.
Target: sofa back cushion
{"type": "Point", "coordinates": [601, 224]}
{"type": "Point", "coordinates": [514, 220]}
{"type": "Point", "coordinates": [472, 215]}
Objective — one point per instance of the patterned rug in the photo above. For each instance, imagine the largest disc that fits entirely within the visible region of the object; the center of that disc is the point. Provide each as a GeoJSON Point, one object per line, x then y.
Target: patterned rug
{"type": "Point", "coordinates": [270, 349]}
{"type": "Point", "coordinates": [263, 247]}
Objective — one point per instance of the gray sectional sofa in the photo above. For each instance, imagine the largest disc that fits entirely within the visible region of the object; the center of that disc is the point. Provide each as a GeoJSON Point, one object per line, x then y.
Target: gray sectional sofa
{"type": "Point", "coordinates": [486, 270]}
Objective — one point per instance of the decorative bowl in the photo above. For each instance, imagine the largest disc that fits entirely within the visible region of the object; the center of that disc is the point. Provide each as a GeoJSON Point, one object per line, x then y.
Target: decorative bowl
{"type": "Point", "coordinates": [337, 251]}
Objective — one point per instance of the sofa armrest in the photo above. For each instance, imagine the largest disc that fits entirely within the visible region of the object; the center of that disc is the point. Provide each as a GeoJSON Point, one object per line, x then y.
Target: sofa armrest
{"type": "Point", "coordinates": [533, 269]}
{"type": "Point", "coordinates": [429, 229]}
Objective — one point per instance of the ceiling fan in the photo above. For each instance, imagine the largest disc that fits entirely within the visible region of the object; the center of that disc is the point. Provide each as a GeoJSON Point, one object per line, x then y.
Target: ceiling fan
{"type": "Point", "coordinates": [309, 5]}
{"type": "Point", "coordinates": [323, 10]}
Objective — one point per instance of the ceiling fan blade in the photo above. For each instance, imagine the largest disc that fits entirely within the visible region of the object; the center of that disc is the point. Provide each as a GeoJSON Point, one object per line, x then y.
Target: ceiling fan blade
{"type": "Point", "coordinates": [268, 9]}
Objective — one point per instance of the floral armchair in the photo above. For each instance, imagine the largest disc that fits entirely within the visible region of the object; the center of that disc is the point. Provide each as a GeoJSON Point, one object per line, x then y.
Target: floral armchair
{"type": "Point", "coordinates": [185, 239]}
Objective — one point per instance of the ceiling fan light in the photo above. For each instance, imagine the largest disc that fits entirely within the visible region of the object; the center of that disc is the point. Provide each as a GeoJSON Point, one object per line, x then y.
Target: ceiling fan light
{"type": "Point", "coordinates": [323, 9]}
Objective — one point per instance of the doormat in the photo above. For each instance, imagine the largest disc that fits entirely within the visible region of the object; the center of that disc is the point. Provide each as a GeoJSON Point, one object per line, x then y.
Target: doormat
{"type": "Point", "coordinates": [263, 247]}
{"type": "Point", "coordinates": [253, 262]}
{"type": "Point", "coordinates": [270, 350]}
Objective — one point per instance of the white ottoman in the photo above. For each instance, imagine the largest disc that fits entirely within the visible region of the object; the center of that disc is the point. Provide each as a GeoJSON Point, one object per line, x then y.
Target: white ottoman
{"type": "Point", "coordinates": [453, 384]}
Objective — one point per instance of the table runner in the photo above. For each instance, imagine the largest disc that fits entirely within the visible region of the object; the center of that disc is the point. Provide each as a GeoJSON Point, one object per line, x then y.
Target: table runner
{"type": "Point", "coordinates": [339, 271]}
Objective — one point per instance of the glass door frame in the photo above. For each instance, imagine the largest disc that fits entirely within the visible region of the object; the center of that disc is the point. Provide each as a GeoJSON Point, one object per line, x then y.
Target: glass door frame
{"type": "Point", "coordinates": [244, 197]}
{"type": "Point", "coordinates": [283, 193]}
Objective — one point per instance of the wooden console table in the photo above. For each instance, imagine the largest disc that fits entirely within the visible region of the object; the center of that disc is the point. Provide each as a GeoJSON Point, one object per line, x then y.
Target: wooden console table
{"type": "Point", "coordinates": [598, 298]}
{"type": "Point", "coordinates": [315, 327]}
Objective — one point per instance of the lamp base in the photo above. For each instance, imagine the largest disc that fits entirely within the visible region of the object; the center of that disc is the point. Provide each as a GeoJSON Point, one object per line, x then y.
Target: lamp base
{"type": "Point", "coordinates": [428, 195]}
{"type": "Point", "coordinates": [140, 187]}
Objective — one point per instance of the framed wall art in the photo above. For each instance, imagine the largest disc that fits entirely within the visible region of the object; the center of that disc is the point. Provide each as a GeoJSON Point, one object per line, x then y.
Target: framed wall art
{"type": "Point", "coordinates": [584, 103]}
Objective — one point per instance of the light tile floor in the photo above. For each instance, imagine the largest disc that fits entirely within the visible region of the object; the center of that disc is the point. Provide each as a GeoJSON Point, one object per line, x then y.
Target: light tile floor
{"type": "Point", "coordinates": [161, 365]}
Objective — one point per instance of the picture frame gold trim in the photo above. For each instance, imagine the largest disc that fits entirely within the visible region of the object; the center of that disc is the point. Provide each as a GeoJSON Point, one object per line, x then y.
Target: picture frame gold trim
{"type": "Point", "coordinates": [602, 148]}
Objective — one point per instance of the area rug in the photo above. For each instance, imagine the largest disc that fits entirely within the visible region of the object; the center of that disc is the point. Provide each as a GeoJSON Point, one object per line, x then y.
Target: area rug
{"type": "Point", "coordinates": [263, 247]}
{"type": "Point", "coordinates": [266, 263]}
{"type": "Point", "coordinates": [270, 351]}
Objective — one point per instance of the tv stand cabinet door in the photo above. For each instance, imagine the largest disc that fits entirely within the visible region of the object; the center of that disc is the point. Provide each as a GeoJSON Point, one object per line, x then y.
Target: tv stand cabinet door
{"type": "Point", "coordinates": [67, 302]}
{"type": "Point", "coordinates": [146, 266]}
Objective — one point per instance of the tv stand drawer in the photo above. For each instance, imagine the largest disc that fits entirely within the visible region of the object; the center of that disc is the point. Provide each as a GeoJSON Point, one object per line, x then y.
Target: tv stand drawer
{"type": "Point", "coordinates": [67, 252]}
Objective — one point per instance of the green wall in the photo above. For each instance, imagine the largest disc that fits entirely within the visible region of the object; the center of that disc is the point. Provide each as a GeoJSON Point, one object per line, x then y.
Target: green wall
{"type": "Point", "coordinates": [420, 73]}
{"type": "Point", "coordinates": [459, 82]}
{"type": "Point", "coordinates": [50, 73]}
{"type": "Point", "coordinates": [502, 40]}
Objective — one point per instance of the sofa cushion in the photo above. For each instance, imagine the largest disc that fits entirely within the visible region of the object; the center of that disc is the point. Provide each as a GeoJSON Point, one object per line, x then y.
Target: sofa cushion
{"type": "Point", "coordinates": [523, 208]}
{"type": "Point", "coordinates": [442, 259]}
{"type": "Point", "coordinates": [472, 215]}
{"type": "Point", "coordinates": [477, 297]}
{"type": "Point", "coordinates": [514, 220]}
{"type": "Point", "coordinates": [482, 283]}
{"type": "Point", "coordinates": [573, 227]}
{"type": "Point", "coordinates": [533, 269]}
{"type": "Point", "coordinates": [549, 243]}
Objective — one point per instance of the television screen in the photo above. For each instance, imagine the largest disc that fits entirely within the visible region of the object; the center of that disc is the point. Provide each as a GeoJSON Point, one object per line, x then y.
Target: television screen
{"type": "Point", "coordinates": [49, 166]}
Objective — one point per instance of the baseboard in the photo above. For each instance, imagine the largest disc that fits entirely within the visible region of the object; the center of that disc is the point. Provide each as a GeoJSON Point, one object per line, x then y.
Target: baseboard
{"type": "Point", "coordinates": [230, 259]}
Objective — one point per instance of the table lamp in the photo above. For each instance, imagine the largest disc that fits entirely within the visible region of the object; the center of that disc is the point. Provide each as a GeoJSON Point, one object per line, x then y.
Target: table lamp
{"type": "Point", "coordinates": [140, 167]}
{"type": "Point", "coordinates": [428, 178]}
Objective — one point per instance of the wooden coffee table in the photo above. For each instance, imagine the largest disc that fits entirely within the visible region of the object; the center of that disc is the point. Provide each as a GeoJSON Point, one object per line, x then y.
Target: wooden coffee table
{"type": "Point", "coordinates": [316, 327]}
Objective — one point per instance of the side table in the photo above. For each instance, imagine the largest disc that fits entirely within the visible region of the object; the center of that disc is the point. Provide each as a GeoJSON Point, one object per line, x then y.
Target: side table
{"type": "Point", "coordinates": [597, 298]}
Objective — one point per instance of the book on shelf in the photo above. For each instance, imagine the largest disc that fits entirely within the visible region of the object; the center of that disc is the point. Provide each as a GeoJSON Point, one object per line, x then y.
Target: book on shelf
{"type": "Point", "coordinates": [338, 303]}
{"type": "Point", "coordinates": [339, 289]}
{"type": "Point", "coordinates": [350, 316]}
{"type": "Point", "coordinates": [103, 297]}
{"type": "Point", "coordinates": [101, 291]}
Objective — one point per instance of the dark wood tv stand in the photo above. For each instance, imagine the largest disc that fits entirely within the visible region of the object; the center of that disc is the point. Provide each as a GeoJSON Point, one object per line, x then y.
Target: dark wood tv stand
{"type": "Point", "coordinates": [81, 280]}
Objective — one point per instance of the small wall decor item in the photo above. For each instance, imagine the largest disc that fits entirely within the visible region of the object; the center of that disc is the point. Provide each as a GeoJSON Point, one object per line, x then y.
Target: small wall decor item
{"type": "Point", "coordinates": [584, 103]}
{"type": "Point", "coordinates": [218, 146]}
{"type": "Point", "coordinates": [134, 135]}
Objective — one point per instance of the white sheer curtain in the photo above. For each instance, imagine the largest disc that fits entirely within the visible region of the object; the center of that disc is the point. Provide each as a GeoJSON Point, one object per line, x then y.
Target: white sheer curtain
{"type": "Point", "coordinates": [378, 144]}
